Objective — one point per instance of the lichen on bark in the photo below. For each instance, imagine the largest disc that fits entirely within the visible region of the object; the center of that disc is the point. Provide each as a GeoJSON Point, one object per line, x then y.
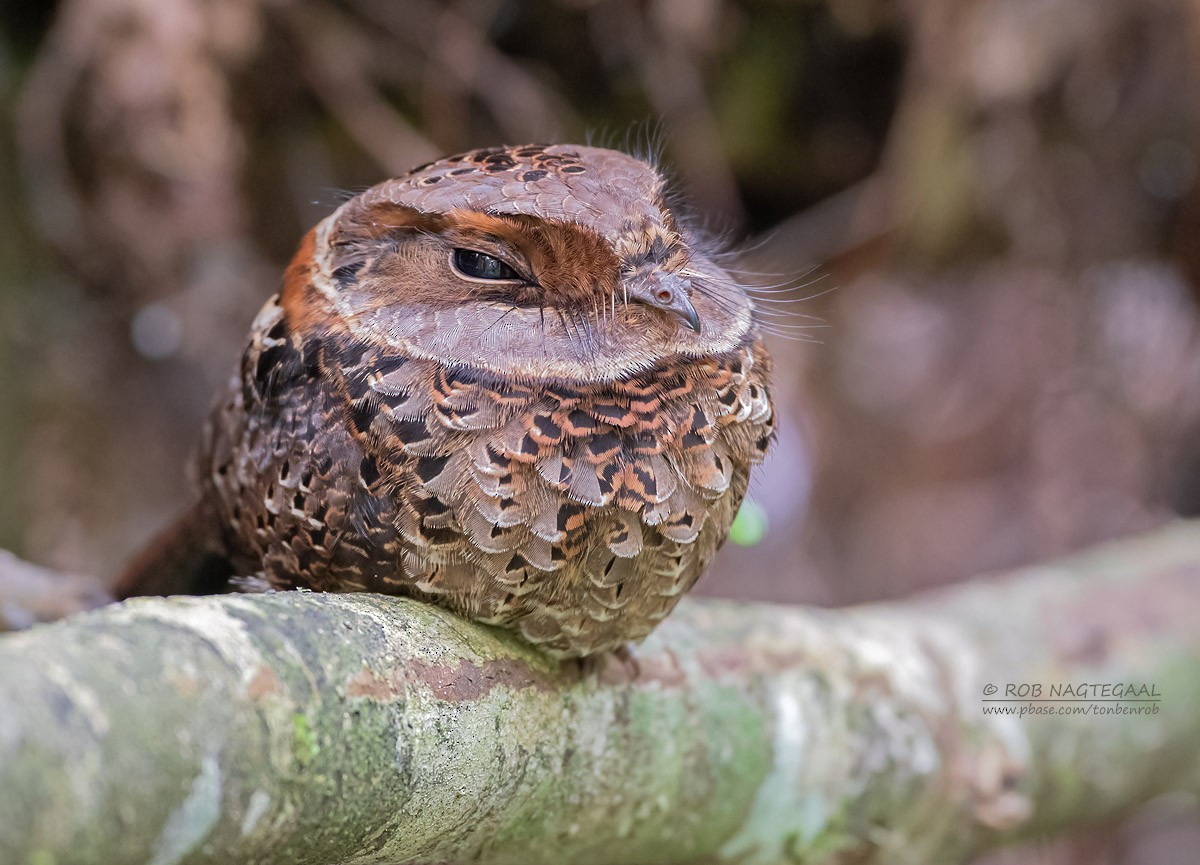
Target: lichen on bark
{"type": "Point", "coordinates": [306, 728]}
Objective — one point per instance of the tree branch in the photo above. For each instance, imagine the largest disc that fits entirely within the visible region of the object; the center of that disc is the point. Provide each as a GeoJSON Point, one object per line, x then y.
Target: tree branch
{"type": "Point", "coordinates": [305, 728]}
{"type": "Point", "coordinates": [30, 594]}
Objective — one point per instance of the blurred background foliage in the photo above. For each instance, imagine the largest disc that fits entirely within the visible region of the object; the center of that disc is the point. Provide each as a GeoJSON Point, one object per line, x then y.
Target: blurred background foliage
{"type": "Point", "coordinates": [991, 205]}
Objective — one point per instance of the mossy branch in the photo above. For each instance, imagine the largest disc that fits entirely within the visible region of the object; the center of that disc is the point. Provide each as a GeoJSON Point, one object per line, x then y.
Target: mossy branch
{"type": "Point", "coordinates": [302, 728]}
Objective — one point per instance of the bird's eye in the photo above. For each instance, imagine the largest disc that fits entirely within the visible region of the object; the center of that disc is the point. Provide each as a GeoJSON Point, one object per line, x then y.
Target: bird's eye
{"type": "Point", "coordinates": [478, 265]}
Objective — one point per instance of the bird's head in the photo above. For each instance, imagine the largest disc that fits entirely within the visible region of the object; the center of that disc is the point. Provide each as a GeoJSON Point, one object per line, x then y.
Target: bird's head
{"type": "Point", "coordinates": [541, 261]}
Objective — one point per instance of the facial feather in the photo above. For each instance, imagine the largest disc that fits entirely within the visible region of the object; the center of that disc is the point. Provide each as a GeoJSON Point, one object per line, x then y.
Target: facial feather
{"type": "Point", "coordinates": [585, 304]}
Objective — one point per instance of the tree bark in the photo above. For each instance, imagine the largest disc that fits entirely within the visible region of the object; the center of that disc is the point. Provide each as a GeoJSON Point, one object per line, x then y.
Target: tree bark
{"type": "Point", "coordinates": [303, 728]}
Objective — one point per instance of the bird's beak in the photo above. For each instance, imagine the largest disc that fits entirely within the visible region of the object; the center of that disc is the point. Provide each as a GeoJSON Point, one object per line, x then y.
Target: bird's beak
{"type": "Point", "coordinates": [668, 292]}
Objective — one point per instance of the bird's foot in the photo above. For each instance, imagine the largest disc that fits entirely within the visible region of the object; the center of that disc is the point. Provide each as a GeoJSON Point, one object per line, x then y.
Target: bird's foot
{"type": "Point", "coordinates": [617, 667]}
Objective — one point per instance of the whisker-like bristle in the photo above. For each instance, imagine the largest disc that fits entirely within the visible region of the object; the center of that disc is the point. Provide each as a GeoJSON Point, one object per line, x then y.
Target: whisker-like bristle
{"type": "Point", "coordinates": [730, 293]}
{"type": "Point", "coordinates": [741, 271]}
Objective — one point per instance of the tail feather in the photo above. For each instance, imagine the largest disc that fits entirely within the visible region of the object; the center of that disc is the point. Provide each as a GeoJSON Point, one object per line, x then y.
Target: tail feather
{"type": "Point", "coordinates": [182, 559]}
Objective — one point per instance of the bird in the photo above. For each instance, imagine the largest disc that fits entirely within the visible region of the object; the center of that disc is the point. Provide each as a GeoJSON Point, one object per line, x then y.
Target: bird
{"type": "Point", "coordinates": [515, 382]}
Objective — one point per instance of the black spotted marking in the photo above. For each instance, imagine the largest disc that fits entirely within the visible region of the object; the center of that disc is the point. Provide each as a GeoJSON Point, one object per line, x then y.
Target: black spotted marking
{"type": "Point", "coordinates": [557, 554]}
{"type": "Point", "coordinates": [482, 153]}
{"type": "Point", "coordinates": [644, 386]}
{"type": "Point", "coordinates": [269, 360]}
{"type": "Point", "coordinates": [349, 554]}
{"type": "Point", "coordinates": [536, 174]}
{"type": "Point", "coordinates": [611, 413]}
{"type": "Point", "coordinates": [676, 386]}
{"type": "Point", "coordinates": [516, 563]}
{"type": "Point", "coordinates": [763, 443]}
{"type": "Point", "coordinates": [364, 513]}
{"type": "Point", "coordinates": [411, 431]}
{"type": "Point", "coordinates": [659, 250]}
{"type": "Point", "coordinates": [306, 559]}
{"type": "Point", "coordinates": [350, 352]}
{"type": "Point", "coordinates": [529, 446]}
{"type": "Point", "coordinates": [441, 537]}
{"type": "Point", "coordinates": [388, 364]}
{"type": "Point", "coordinates": [459, 172]}
{"type": "Point", "coordinates": [448, 414]}
{"type": "Point", "coordinates": [396, 401]}
{"type": "Point", "coordinates": [546, 427]}
{"type": "Point", "coordinates": [573, 169]}
{"type": "Point", "coordinates": [362, 413]}
{"type": "Point", "coordinates": [727, 397]}
{"type": "Point", "coordinates": [644, 444]}
{"type": "Point", "coordinates": [581, 423]}
{"type": "Point", "coordinates": [368, 469]}
{"type": "Point", "coordinates": [429, 468]}
{"type": "Point", "coordinates": [430, 507]}
{"type": "Point", "coordinates": [607, 478]}
{"type": "Point", "coordinates": [318, 535]}
{"type": "Point", "coordinates": [279, 330]}
{"type": "Point", "coordinates": [647, 480]}
{"type": "Point", "coordinates": [564, 395]}
{"type": "Point", "coordinates": [442, 381]}
{"type": "Point", "coordinates": [357, 386]}
{"type": "Point", "coordinates": [693, 440]}
{"type": "Point", "coordinates": [347, 273]}
{"type": "Point", "coordinates": [310, 354]}
{"type": "Point", "coordinates": [459, 376]}
{"type": "Point", "coordinates": [566, 512]}
{"type": "Point", "coordinates": [645, 405]}
{"type": "Point", "coordinates": [603, 444]}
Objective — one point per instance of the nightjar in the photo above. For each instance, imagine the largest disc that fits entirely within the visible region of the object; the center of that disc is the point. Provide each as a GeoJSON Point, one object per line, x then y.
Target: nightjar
{"type": "Point", "coordinates": [511, 382]}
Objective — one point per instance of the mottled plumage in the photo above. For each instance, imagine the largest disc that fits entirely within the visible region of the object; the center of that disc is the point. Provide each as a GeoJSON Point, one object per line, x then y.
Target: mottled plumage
{"type": "Point", "coordinates": [549, 429]}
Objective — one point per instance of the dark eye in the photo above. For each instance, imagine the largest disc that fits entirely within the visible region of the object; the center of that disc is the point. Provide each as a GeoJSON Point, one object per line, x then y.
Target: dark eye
{"type": "Point", "coordinates": [477, 265]}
